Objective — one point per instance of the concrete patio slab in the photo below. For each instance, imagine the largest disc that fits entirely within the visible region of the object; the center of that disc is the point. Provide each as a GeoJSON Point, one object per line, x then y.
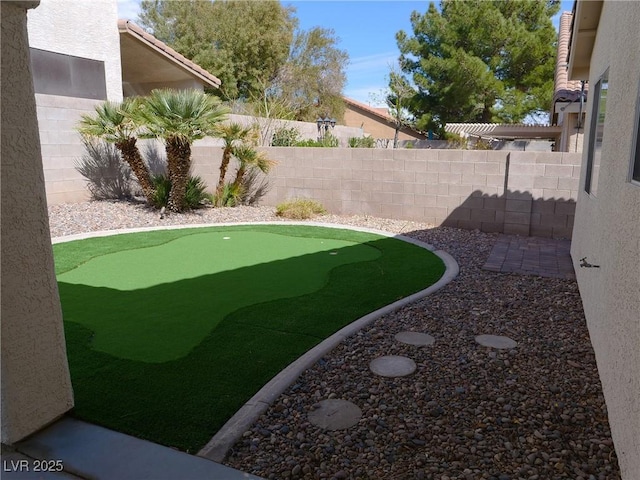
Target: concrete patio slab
{"type": "Point", "coordinates": [335, 414]}
{"type": "Point", "coordinates": [392, 366]}
{"type": "Point", "coordinates": [90, 451]}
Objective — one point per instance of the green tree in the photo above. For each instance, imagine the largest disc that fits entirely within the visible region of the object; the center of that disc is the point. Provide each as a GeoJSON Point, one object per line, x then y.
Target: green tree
{"type": "Point", "coordinates": [398, 99]}
{"type": "Point", "coordinates": [112, 123]}
{"type": "Point", "coordinates": [480, 61]}
{"type": "Point", "coordinates": [243, 43]}
{"type": "Point", "coordinates": [313, 78]}
{"type": "Point", "coordinates": [179, 117]}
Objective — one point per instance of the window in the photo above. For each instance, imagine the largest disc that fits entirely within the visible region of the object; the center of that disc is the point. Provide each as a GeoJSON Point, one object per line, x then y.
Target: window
{"type": "Point", "coordinates": [596, 132]}
{"type": "Point", "coordinates": [66, 75]}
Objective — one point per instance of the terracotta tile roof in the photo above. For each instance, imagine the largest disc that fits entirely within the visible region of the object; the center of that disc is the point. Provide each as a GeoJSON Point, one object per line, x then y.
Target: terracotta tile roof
{"type": "Point", "coordinates": [128, 27]}
{"type": "Point", "coordinates": [379, 112]}
{"type": "Point", "coordinates": [564, 89]}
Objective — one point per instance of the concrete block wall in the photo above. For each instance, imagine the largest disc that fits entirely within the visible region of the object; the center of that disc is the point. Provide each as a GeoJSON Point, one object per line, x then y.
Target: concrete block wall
{"type": "Point", "coordinates": [61, 145]}
{"type": "Point", "coordinates": [525, 193]}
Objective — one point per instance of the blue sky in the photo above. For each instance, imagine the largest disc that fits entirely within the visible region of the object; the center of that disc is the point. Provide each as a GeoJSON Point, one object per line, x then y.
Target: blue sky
{"type": "Point", "coordinates": [366, 29]}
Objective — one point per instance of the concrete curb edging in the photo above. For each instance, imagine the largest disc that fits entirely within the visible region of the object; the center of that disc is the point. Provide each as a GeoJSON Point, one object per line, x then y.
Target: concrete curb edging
{"type": "Point", "coordinates": [216, 449]}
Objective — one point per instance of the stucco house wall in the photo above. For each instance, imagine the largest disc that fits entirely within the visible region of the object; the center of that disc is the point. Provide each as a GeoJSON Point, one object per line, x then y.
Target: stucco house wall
{"type": "Point", "coordinates": [36, 387]}
{"type": "Point", "coordinates": [60, 26]}
{"type": "Point", "coordinates": [88, 30]}
{"type": "Point", "coordinates": [607, 229]}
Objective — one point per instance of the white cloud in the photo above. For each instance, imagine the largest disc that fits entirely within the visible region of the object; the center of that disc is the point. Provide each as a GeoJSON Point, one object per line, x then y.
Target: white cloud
{"type": "Point", "coordinates": [377, 62]}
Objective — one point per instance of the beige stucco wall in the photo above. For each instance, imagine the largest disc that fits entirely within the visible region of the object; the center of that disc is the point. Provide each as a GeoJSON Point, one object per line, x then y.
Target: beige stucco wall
{"type": "Point", "coordinates": [87, 28]}
{"type": "Point", "coordinates": [607, 233]}
{"type": "Point", "coordinates": [36, 388]}
{"type": "Point", "coordinates": [375, 126]}
{"type": "Point", "coordinates": [571, 139]}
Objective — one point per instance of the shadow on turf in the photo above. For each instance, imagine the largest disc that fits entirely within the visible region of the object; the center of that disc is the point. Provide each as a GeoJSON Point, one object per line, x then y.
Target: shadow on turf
{"type": "Point", "coordinates": [182, 402]}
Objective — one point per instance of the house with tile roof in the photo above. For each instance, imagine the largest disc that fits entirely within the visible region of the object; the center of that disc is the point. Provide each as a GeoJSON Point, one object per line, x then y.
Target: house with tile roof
{"type": "Point", "coordinates": [569, 96]}
{"type": "Point", "coordinates": [377, 122]}
{"type": "Point", "coordinates": [81, 55]}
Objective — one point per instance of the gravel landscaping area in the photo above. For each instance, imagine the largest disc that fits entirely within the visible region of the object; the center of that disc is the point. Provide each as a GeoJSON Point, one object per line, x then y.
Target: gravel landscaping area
{"type": "Point", "coordinates": [468, 412]}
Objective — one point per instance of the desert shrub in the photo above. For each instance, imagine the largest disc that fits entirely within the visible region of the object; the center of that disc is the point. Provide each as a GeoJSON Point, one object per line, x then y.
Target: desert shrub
{"type": "Point", "coordinates": [483, 145]}
{"type": "Point", "coordinates": [300, 209]}
{"type": "Point", "coordinates": [362, 142]}
{"type": "Point", "coordinates": [328, 141]}
{"type": "Point", "coordinates": [108, 177]}
{"type": "Point", "coordinates": [230, 196]}
{"type": "Point", "coordinates": [408, 145]}
{"type": "Point", "coordinates": [195, 196]}
{"type": "Point", "coordinates": [285, 137]}
{"type": "Point", "coordinates": [254, 186]}
{"type": "Point", "coordinates": [455, 141]}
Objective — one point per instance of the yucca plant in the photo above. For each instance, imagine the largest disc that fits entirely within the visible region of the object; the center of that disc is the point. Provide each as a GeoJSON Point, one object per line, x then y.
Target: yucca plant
{"type": "Point", "coordinates": [115, 123]}
{"type": "Point", "coordinates": [179, 117]}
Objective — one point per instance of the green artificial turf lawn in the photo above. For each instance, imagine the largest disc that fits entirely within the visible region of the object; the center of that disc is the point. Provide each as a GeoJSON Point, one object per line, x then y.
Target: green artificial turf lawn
{"type": "Point", "coordinates": [170, 332]}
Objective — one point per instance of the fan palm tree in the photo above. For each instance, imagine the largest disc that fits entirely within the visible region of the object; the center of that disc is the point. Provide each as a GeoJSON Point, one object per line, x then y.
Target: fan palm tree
{"type": "Point", "coordinates": [113, 123]}
{"type": "Point", "coordinates": [250, 158]}
{"type": "Point", "coordinates": [234, 136]}
{"type": "Point", "coordinates": [179, 117]}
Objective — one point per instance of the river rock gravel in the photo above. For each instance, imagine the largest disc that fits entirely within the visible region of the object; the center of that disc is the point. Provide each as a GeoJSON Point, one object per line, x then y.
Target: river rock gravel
{"type": "Point", "coordinates": [534, 412]}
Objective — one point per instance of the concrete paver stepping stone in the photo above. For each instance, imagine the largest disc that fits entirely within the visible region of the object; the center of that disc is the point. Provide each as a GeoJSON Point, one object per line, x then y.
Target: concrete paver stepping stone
{"type": "Point", "coordinates": [335, 414]}
{"type": "Point", "coordinates": [392, 366]}
{"type": "Point", "coordinates": [415, 338]}
{"type": "Point", "coordinates": [496, 341]}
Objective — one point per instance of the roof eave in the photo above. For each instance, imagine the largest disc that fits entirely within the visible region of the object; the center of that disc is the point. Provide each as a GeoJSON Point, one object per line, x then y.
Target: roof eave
{"type": "Point", "coordinates": [583, 36]}
{"type": "Point", "coordinates": [127, 27]}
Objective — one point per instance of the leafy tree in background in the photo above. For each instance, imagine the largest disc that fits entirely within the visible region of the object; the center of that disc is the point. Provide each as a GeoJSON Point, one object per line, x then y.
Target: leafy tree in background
{"type": "Point", "coordinates": [243, 43]}
{"type": "Point", "coordinates": [258, 53]}
{"type": "Point", "coordinates": [313, 78]}
{"type": "Point", "coordinates": [398, 100]}
{"type": "Point", "coordinates": [480, 61]}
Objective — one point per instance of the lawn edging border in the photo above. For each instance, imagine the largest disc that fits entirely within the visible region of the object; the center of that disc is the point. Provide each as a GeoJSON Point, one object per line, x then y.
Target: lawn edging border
{"type": "Point", "coordinates": [219, 445]}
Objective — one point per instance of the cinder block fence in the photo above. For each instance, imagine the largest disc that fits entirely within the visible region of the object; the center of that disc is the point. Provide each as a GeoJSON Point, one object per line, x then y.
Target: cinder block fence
{"type": "Point", "coordinates": [525, 193]}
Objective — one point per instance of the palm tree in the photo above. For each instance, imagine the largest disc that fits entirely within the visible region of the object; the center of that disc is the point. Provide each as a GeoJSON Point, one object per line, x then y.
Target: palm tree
{"type": "Point", "coordinates": [250, 158]}
{"type": "Point", "coordinates": [113, 123]}
{"type": "Point", "coordinates": [234, 136]}
{"type": "Point", "coordinates": [180, 117]}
